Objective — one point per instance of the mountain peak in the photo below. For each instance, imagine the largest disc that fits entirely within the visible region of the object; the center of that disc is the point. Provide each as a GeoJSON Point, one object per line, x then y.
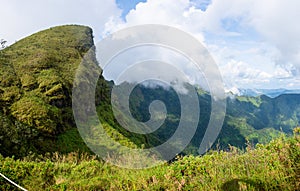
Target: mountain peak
{"type": "Point", "coordinates": [36, 80]}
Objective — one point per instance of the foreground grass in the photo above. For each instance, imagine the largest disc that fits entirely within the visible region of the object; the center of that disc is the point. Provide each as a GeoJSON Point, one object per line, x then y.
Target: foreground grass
{"type": "Point", "coordinates": [275, 166]}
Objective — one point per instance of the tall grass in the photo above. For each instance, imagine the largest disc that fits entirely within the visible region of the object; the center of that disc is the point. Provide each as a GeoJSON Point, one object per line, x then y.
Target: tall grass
{"type": "Point", "coordinates": [275, 166]}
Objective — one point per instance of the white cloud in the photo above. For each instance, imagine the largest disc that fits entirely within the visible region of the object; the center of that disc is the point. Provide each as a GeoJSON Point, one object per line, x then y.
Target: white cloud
{"type": "Point", "coordinates": [22, 18]}
{"type": "Point", "coordinates": [282, 73]}
{"type": "Point", "coordinates": [165, 12]}
{"type": "Point", "coordinates": [264, 35]}
{"type": "Point", "coordinates": [278, 23]}
{"type": "Point", "coordinates": [240, 74]}
{"type": "Point", "coordinates": [257, 40]}
{"type": "Point", "coordinates": [274, 21]}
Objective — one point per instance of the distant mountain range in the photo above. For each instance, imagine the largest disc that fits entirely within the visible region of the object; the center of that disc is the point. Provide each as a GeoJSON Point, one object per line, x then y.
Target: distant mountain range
{"type": "Point", "coordinates": [254, 119]}
{"type": "Point", "coordinates": [272, 93]}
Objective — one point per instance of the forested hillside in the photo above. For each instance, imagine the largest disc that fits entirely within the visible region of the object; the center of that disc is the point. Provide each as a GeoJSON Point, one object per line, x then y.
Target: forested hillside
{"type": "Point", "coordinates": [248, 120]}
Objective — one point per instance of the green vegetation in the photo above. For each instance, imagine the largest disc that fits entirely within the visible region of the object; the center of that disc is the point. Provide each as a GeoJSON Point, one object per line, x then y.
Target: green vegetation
{"type": "Point", "coordinates": [256, 101]}
{"type": "Point", "coordinates": [275, 166]}
{"type": "Point", "coordinates": [36, 79]}
{"type": "Point", "coordinates": [41, 149]}
{"type": "Point", "coordinates": [251, 134]}
{"type": "Point", "coordinates": [248, 119]}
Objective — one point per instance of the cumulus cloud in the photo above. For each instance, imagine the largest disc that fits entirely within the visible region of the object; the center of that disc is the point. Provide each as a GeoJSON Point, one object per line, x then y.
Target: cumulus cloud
{"type": "Point", "coordinates": [255, 39]}
{"type": "Point", "coordinates": [274, 21]}
{"type": "Point", "coordinates": [252, 38]}
{"type": "Point", "coordinates": [159, 12]}
{"type": "Point", "coordinates": [241, 74]}
{"type": "Point", "coordinates": [21, 18]}
{"type": "Point", "coordinates": [277, 23]}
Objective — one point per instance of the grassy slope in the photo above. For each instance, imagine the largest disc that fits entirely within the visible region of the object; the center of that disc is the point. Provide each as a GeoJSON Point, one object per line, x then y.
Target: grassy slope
{"type": "Point", "coordinates": [36, 80]}
{"type": "Point", "coordinates": [275, 166]}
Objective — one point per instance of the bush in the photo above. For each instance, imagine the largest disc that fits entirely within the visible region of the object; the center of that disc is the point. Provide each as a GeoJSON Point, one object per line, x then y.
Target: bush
{"type": "Point", "coordinates": [32, 110]}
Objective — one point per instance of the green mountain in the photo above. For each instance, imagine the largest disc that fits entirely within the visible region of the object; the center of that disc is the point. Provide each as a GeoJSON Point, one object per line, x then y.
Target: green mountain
{"type": "Point", "coordinates": [262, 118]}
{"type": "Point", "coordinates": [36, 81]}
{"type": "Point", "coordinates": [248, 120]}
{"type": "Point", "coordinates": [36, 78]}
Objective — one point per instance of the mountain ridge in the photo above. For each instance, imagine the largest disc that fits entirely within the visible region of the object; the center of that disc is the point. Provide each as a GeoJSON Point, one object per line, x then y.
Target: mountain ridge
{"type": "Point", "coordinates": [36, 78]}
{"type": "Point", "coordinates": [257, 92]}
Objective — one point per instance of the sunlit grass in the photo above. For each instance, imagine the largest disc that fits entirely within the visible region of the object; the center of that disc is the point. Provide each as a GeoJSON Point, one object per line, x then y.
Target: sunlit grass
{"type": "Point", "coordinates": [275, 166]}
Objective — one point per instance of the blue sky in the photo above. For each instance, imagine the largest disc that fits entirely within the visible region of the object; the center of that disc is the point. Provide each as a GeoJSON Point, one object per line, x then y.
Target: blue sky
{"type": "Point", "coordinates": [126, 5]}
{"type": "Point", "coordinates": [256, 43]}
